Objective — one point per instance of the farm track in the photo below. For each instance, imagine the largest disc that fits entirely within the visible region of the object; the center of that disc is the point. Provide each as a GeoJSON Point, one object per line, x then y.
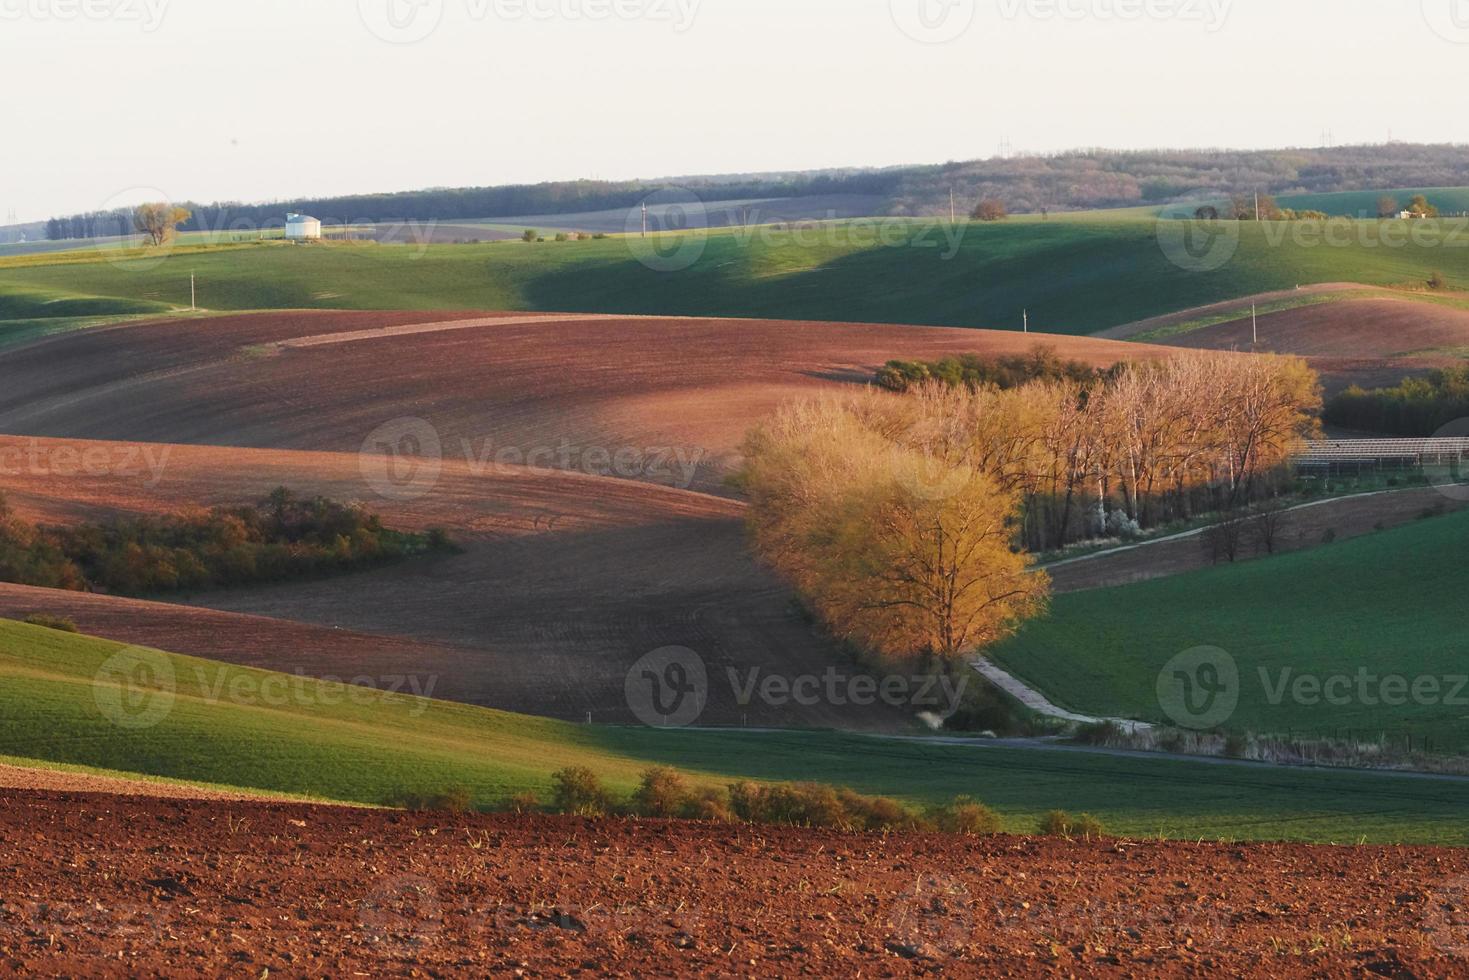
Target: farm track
{"type": "Point", "coordinates": [197, 888]}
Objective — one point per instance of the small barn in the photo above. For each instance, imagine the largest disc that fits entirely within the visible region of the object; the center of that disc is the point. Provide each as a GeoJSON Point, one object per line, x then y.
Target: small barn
{"type": "Point", "coordinates": [302, 227]}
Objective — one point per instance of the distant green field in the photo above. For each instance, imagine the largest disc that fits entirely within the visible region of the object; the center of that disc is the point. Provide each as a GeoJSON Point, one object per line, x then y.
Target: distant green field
{"type": "Point", "coordinates": [1074, 275]}
{"type": "Point", "coordinates": [1363, 204]}
{"type": "Point", "coordinates": [1390, 604]}
{"type": "Point", "coordinates": [61, 696]}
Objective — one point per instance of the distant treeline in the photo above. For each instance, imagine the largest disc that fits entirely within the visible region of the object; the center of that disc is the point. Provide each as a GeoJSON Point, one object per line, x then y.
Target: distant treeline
{"type": "Point", "coordinates": [1074, 180]}
{"type": "Point", "coordinates": [447, 204]}
{"type": "Point", "coordinates": [1417, 407]}
{"type": "Point", "coordinates": [1088, 179]}
{"type": "Point", "coordinates": [282, 538]}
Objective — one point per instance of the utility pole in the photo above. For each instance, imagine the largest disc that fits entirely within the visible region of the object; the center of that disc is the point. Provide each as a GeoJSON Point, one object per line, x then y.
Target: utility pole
{"type": "Point", "coordinates": [191, 291]}
{"type": "Point", "coordinates": [1025, 320]}
{"type": "Point", "coordinates": [1257, 204]}
{"type": "Point", "coordinates": [1255, 324]}
{"type": "Point", "coordinates": [645, 219]}
{"type": "Point", "coordinates": [953, 219]}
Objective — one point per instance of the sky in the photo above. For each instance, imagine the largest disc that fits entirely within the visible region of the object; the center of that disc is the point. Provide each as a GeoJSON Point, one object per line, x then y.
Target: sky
{"type": "Point", "coordinates": [111, 102]}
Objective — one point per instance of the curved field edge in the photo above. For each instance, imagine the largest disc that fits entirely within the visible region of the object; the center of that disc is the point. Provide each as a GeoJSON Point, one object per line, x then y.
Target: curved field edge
{"type": "Point", "coordinates": [224, 726]}
{"type": "Point", "coordinates": [1388, 603]}
{"type": "Point", "coordinates": [1069, 276]}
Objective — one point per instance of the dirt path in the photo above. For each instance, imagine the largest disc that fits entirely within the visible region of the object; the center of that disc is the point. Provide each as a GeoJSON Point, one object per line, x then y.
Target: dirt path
{"type": "Point", "coordinates": [16, 777]}
{"type": "Point", "coordinates": [439, 326]}
{"type": "Point", "coordinates": [1129, 330]}
{"type": "Point", "coordinates": [178, 888]}
{"type": "Point", "coordinates": [1039, 703]}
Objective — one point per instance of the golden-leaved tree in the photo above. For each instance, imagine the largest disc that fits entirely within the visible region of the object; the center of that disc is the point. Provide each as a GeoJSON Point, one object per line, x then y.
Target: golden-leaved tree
{"type": "Point", "coordinates": [899, 549]}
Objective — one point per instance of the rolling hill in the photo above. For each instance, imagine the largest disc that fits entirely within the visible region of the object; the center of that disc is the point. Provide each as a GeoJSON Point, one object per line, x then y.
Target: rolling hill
{"type": "Point", "coordinates": [194, 719]}
{"type": "Point", "coordinates": [1387, 604]}
{"type": "Point", "coordinates": [1072, 276]}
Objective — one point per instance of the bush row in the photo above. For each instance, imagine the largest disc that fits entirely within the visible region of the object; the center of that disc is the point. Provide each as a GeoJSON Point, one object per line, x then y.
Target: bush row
{"type": "Point", "coordinates": [281, 538]}
{"type": "Point", "coordinates": [1011, 371]}
{"type": "Point", "coordinates": [664, 793]}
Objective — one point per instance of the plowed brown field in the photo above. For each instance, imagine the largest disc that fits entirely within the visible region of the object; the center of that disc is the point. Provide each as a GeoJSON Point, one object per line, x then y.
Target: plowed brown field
{"type": "Point", "coordinates": [564, 582]}
{"type": "Point", "coordinates": [127, 886]}
{"type": "Point", "coordinates": [1367, 339]}
{"type": "Point", "coordinates": [630, 384]}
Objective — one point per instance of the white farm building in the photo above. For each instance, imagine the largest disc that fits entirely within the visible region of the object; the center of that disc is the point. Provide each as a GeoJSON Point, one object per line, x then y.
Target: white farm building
{"type": "Point", "coordinates": [302, 226]}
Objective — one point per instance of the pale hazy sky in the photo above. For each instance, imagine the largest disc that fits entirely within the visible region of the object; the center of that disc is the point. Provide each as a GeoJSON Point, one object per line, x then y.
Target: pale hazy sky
{"type": "Point", "coordinates": [107, 102]}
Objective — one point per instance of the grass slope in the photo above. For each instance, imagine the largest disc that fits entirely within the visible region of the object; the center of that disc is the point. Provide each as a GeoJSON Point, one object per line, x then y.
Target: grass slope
{"type": "Point", "coordinates": [239, 727]}
{"type": "Point", "coordinates": [1391, 603]}
{"type": "Point", "coordinates": [1072, 275]}
{"type": "Point", "coordinates": [1449, 200]}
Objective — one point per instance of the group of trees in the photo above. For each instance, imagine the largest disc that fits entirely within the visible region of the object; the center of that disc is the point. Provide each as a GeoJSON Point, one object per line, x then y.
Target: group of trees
{"type": "Point", "coordinates": [1388, 207]}
{"type": "Point", "coordinates": [904, 520]}
{"type": "Point", "coordinates": [1418, 407]}
{"type": "Point", "coordinates": [1004, 372]}
{"type": "Point", "coordinates": [282, 538]}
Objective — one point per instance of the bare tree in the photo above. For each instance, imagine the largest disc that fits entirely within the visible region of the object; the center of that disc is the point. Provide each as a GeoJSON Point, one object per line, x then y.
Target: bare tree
{"type": "Point", "coordinates": [159, 221]}
{"type": "Point", "coordinates": [991, 209]}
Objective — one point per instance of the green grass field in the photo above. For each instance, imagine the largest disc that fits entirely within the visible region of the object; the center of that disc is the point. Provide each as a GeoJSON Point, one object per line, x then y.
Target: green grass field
{"type": "Point", "coordinates": [61, 696]}
{"type": "Point", "coordinates": [1449, 200]}
{"type": "Point", "coordinates": [1391, 604]}
{"type": "Point", "coordinates": [1074, 275]}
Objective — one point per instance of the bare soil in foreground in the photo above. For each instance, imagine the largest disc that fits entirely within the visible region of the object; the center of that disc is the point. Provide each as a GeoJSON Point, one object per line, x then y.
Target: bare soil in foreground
{"type": "Point", "coordinates": [125, 886]}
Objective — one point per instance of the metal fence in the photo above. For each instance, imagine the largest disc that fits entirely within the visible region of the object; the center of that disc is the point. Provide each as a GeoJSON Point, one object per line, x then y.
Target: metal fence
{"type": "Point", "coordinates": [1362, 456]}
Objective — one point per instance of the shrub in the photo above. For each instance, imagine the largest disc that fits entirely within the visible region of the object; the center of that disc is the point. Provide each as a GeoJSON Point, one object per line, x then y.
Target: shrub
{"type": "Point", "coordinates": [708, 803]}
{"type": "Point", "coordinates": [965, 815]}
{"type": "Point", "coordinates": [529, 235]}
{"type": "Point", "coordinates": [1059, 823]}
{"type": "Point", "coordinates": [1236, 745]}
{"type": "Point", "coordinates": [663, 793]}
{"type": "Point", "coordinates": [61, 623]}
{"type": "Point", "coordinates": [523, 803]}
{"type": "Point", "coordinates": [457, 799]}
{"type": "Point", "coordinates": [280, 538]}
{"type": "Point", "coordinates": [562, 237]}
{"type": "Point", "coordinates": [577, 790]}
{"type": "Point", "coordinates": [1099, 733]}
